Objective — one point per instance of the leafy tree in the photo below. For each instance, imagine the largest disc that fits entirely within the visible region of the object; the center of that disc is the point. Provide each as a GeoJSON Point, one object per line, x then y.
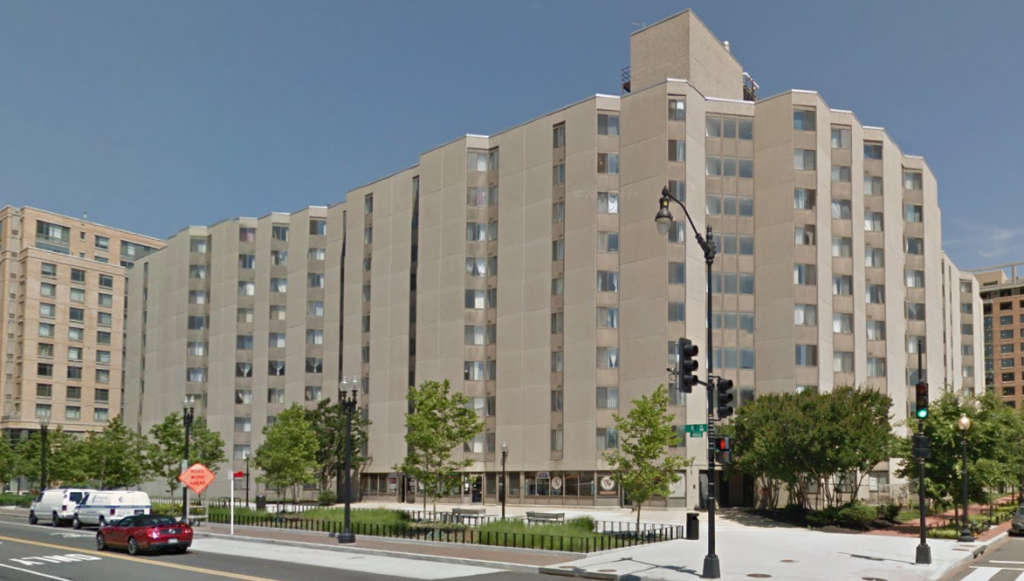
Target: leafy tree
{"type": "Point", "coordinates": [990, 461]}
{"type": "Point", "coordinates": [438, 423]}
{"type": "Point", "coordinates": [287, 456]}
{"type": "Point", "coordinates": [809, 438]}
{"type": "Point", "coordinates": [116, 456]}
{"type": "Point", "coordinates": [167, 448]}
{"type": "Point", "coordinates": [329, 426]}
{"type": "Point", "coordinates": [65, 462]}
{"type": "Point", "coordinates": [8, 461]}
{"type": "Point", "coordinates": [642, 465]}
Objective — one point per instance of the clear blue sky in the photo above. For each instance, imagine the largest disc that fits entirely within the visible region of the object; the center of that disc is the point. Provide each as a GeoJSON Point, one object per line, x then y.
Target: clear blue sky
{"type": "Point", "coordinates": [151, 116]}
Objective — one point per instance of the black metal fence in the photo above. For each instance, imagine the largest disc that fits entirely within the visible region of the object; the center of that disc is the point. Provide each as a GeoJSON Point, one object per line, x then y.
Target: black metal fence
{"type": "Point", "coordinates": [609, 535]}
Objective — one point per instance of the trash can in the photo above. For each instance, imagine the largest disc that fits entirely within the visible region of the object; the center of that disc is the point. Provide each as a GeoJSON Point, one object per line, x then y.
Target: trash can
{"type": "Point", "coordinates": [261, 502]}
{"type": "Point", "coordinates": [692, 527]}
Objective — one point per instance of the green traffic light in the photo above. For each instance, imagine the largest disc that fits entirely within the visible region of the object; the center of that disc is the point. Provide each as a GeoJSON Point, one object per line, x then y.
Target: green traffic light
{"type": "Point", "coordinates": [922, 414]}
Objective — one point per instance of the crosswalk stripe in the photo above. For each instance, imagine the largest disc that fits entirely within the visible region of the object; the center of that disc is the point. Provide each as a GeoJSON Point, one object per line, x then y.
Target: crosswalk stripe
{"type": "Point", "coordinates": [982, 574]}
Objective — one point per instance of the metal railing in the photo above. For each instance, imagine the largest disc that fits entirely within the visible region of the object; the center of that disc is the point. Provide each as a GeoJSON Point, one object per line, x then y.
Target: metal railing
{"type": "Point", "coordinates": [609, 535]}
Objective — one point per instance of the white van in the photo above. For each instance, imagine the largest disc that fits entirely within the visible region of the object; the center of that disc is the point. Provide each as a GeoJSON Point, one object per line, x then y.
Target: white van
{"type": "Point", "coordinates": [56, 506]}
{"type": "Point", "coordinates": [108, 506]}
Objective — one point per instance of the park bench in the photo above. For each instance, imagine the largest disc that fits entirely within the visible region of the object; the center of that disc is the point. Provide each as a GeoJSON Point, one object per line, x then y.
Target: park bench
{"type": "Point", "coordinates": [545, 517]}
{"type": "Point", "coordinates": [470, 515]}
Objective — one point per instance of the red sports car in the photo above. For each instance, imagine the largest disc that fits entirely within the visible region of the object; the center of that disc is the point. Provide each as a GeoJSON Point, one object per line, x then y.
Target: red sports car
{"type": "Point", "coordinates": [145, 532]}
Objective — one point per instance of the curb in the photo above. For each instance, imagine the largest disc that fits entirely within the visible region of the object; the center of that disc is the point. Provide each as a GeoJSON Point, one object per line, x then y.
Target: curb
{"type": "Point", "coordinates": [517, 567]}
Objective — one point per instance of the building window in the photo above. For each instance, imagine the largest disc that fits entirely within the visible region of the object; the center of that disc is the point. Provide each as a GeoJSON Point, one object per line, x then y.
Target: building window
{"type": "Point", "coordinates": [608, 317]}
{"type": "Point", "coordinates": [198, 245]}
{"type": "Point", "coordinates": [842, 210]}
{"type": "Point", "coordinates": [967, 328]}
{"type": "Point", "coordinates": [44, 390]}
{"type": "Point", "coordinates": [74, 353]}
{"type": "Point", "coordinates": [45, 350]}
{"type": "Point", "coordinates": [608, 163]}
{"type": "Point", "coordinates": [912, 180]}
{"type": "Point", "coordinates": [315, 280]}
{"type": "Point", "coordinates": [241, 451]}
{"type": "Point", "coordinates": [195, 348]}
{"type": "Point", "coordinates": [243, 369]}
{"type": "Point", "coordinates": [915, 311]}
{"type": "Point", "coordinates": [278, 312]}
{"type": "Point", "coordinates": [277, 285]}
{"type": "Point", "coordinates": [48, 310]}
{"type": "Point", "coordinates": [104, 319]}
{"type": "Point", "coordinates": [195, 374]}
{"type": "Point", "coordinates": [842, 285]}
{"type": "Point", "coordinates": [368, 235]}
{"type": "Point", "coordinates": [607, 357]}
{"type": "Point", "coordinates": [557, 323]}
{"type": "Point", "coordinates": [48, 270]}
{"type": "Point", "coordinates": [677, 273]}
{"type": "Point", "coordinates": [608, 398]}
{"type": "Point", "coordinates": [243, 424]}
{"type": "Point", "coordinates": [803, 199]}
{"type": "Point", "coordinates": [279, 233]}
{"type": "Point", "coordinates": [244, 315]}
{"type": "Point", "coordinates": [75, 372]}
{"type": "Point", "coordinates": [915, 245]}
{"type": "Point", "coordinates": [557, 287]}
{"type": "Point", "coordinates": [805, 274]}
{"type": "Point", "coordinates": [872, 185]}
{"type": "Point", "coordinates": [676, 110]}
{"type": "Point", "coordinates": [608, 242]}
{"type": "Point", "coordinates": [102, 243]}
{"type": "Point", "coordinates": [479, 370]}
{"type": "Point", "coordinates": [75, 314]}
{"type": "Point", "coordinates": [76, 295]}
{"type": "Point", "coordinates": [915, 278]}
{"type": "Point", "coordinates": [841, 173]}
{"type": "Point", "coordinates": [842, 362]}
{"type": "Point", "coordinates": [556, 362]}
{"type": "Point", "coordinates": [556, 440]}
{"type": "Point", "coordinates": [804, 159]}
{"type": "Point", "coordinates": [76, 334]}
{"type": "Point", "coordinates": [100, 415]}
{"type": "Point", "coordinates": [841, 138]}
{"type": "Point", "coordinates": [315, 309]}
{"type": "Point", "coordinates": [607, 124]}
{"type": "Point", "coordinates": [872, 150]}
{"type": "Point", "coordinates": [277, 341]}
{"type": "Point", "coordinates": [276, 368]}
{"type": "Point", "coordinates": [607, 438]}
{"type": "Point", "coordinates": [476, 267]}
{"type": "Point", "coordinates": [275, 395]}
{"type": "Point", "coordinates": [43, 410]}
{"type": "Point", "coordinates": [44, 370]}
{"type": "Point", "coordinates": [558, 249]}
{"type": "Point", "coordinates": [312, 393]}
{"type": "Point", "coordinates": [677, 150]}
{"type": "Point", "coordinates": [106, 281]}
{"type": "Point", "coordinates": [876, 330]}
{"type": "Point", "coordinates": [246, 288]}
{"type": "Point", "coordinates": [676, 312]}
{"type": "Point", "coordinates": [803, 120]}
{"type": "Point", "coordinates": [556, 400]}
{"type": "Point", "coordinates": [558, 136]}
{"type": "Point", "coordinates": [47, 290]}
{"type": "Point", "coordinates": [805, 315]}
{"type": "Point", "coordinates": [875, 294]}
{"type": "Point", "coordinates": [197, 271]}
{"type": "Point", "coordinates": [677, 233]}
{"type": "Point", "coordinates": [913, 212]}
{"type": "Point", "coordinates": [101, 395]}
{"type": "Point", "coordinates": [874, 257]}
{"type": "Point", "coordinates": [608, 202]}
{"type": "Point", "coordinates": [873, 222]}
{"type": "Point", "coordinates": [842, 323]}
{"type": "Point", "coordinates": [607, 281]}
{"type": "Point", "coordinates": [842, 247]}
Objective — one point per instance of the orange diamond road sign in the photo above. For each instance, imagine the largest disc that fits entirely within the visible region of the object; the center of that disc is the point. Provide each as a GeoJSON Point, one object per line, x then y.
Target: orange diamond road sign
{"type": "Point", "coordinates": [197, 478]}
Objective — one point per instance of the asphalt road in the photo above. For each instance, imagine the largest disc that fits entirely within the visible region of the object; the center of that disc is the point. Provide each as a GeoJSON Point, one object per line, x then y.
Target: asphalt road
{"type": "Point", "coordinates": [1005, 563]}
{"type": "Point", "coordinates": [43, 553]}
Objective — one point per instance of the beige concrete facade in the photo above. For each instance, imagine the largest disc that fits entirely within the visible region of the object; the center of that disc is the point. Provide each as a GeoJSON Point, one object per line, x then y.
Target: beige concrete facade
{"type": "Point", "coordinates": [830, 267]}
{"type": "Point", "coordinates": [63, 286]}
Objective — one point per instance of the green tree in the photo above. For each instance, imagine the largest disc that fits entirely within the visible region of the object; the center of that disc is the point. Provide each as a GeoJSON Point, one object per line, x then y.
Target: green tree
{"type": "Point", "coordinates": [287, 456]}
{"type": "Point", "coordinates": [990, 461]}
{"type": "Point", "coordinates": [116, 456]}
{"type": "Point", "coordinates": [167, 448]}
{"type": "Point", "coordinates": [8, 461]}
{"type": "Point", "coordinates": [438, 423]}
{"type": "Point", "coordinates": [65, 462]}
{"type": "Point", "coordinates": [642, 464]}
{"type": "Point", "coordinates": [328, 423]}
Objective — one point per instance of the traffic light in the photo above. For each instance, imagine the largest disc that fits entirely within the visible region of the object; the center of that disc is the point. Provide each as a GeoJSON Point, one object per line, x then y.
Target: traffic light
{"type": "Point", "coordinates": [687, 365]}
{"type": "Point", "coordinates": [724, 398]}
{"type": "Point", "coordinates": [723, 450]}
{"type": "Point", "coordinates": [922, 400]}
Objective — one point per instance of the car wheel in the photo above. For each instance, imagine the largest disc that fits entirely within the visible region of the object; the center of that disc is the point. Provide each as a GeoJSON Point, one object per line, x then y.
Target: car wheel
{"type": "Point", "coordinates": [77, 524]}
{"type": "Point", "coordinates": [56, 519]}
{"type": "Point", "coordinates": [32, 518]}
{"type": "Point", "coordinates": [133, 546]}
{"type": "Point", "coordinates": [102, 522]}
{"type": "Point", "coordinates": [101, 543]}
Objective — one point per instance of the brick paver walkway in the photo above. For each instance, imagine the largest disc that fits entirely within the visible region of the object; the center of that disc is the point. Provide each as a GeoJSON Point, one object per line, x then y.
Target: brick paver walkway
{"type": "Point", "coordinates": [913, 528]}
{"type": "Point", "coordinates": [412, 548]}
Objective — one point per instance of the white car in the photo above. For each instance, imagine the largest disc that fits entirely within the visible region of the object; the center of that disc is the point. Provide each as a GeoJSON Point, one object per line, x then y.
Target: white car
{"type": "Point", "coordinates": [56, 506]}
{"type": "Point", "coordinates": [109, 506]}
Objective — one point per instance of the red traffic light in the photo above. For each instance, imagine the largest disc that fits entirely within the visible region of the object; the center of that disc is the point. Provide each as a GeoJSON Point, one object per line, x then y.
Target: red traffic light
{"type": "Point", "coordinates": [723, 444]}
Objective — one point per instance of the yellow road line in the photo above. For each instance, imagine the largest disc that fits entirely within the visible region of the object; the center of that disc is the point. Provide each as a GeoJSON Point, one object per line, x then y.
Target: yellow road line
{"type": "Point", "coordinates": [139, 561]}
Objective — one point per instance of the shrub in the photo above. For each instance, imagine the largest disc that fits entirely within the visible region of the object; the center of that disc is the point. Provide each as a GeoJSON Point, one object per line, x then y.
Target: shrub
{"type": "Point", "coordinates": [162, 509]}
{"type": "Point", "coordinates": [857, 514]}
{"type": "Point", "coordinates": [823, 518]}
{"type": "Point", "coordinates": [20, 500]}
{"type": "Point", "coordinates": [888, 512]}
{"type": "Point", "coordinates": [327, 498]}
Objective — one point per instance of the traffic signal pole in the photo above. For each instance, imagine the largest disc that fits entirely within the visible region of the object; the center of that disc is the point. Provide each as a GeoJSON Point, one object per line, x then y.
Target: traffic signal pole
{"type": "Point", "coordinates": [712, 569]}
{"type": "Point", "coordinates": [924, 552]}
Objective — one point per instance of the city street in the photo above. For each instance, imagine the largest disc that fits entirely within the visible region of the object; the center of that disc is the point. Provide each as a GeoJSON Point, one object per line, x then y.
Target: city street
{"type": "Point", "coordinates": [36, 553]}
{"type": "Point", "coordinates": [1005, 563]}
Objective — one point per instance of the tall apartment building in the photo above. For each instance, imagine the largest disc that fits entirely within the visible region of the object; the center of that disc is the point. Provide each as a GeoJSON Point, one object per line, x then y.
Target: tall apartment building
{"type": "Point", "coordinates": [525, 268]}
{"type": "Point", "coordinates": [1002, 295]}
{"type": "Point", "coordinates": [62, 280]}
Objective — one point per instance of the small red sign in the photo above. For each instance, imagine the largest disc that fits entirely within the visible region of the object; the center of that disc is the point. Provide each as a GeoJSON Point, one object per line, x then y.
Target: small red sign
{"type": "Point", "coordinates": [197, 478]}
{"type": "Point", "coordinates": [238, 475]}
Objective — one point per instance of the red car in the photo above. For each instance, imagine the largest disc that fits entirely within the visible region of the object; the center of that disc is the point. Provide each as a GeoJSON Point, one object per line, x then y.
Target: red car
{"type": "Point", "coordinates": [145, 532]}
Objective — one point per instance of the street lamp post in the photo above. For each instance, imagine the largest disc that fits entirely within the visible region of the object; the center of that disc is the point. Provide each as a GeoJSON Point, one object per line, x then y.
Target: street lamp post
{"type": "Point", "coordinates": [504, 478]}
{"type": "Point", "coordinates": [245, 456]}
{"type": "Point", "coordinates": [188, 413]}
{"type": "Point", "coordinates": [44, 451]}
{"type": "Point", "coordinates": [348, 407]}
{"type": "Point", "coordinates": [664, 221]}
{"type": "Point", "coordinates": [965, 424]}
